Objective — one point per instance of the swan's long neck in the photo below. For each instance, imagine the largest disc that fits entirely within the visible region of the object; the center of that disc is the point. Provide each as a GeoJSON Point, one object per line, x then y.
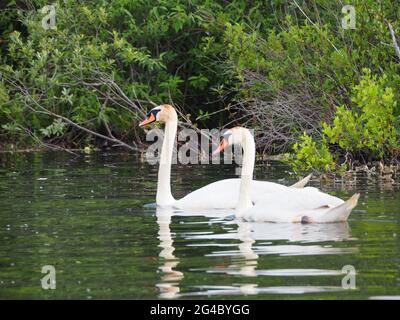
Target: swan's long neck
{"type": "Point", "coordinates": [249, 156]}
{"type": "Point", "coordinates": [164, 196]}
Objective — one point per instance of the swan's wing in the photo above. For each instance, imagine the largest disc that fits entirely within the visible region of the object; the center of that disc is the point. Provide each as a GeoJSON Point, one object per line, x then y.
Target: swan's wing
{"type": "Point", "coordinates": [303, 182]}
{"type": "Point", "coordinates": [338, 213]}
{"type": "Point", "coordinates": [288, 205]}
{"type": "Point", "coordinates": [224, 194]}
{"type": "Point", "coordinates": [262, 188]}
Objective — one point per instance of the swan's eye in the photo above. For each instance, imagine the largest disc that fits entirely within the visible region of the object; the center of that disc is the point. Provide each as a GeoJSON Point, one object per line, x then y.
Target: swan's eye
{"type": "Point", "coordinates": [150, 117]}
{"type": "Point", "coordinates": [153, 112]}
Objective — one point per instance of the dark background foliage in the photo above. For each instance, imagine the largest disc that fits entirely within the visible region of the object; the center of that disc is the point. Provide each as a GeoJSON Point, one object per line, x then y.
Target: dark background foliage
{"type": "Point", "coordinates": [286, 68]}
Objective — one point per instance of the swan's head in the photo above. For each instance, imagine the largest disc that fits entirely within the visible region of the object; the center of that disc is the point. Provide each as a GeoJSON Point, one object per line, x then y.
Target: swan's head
{"type": "Point", "coordinates": [161, 113]}
{"type": "Point", "coordinates": [235, 136]}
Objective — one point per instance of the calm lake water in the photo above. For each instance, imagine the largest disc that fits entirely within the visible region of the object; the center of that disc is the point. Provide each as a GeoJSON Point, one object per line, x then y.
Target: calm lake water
{"type": "Point", "coordinates": [86, 215]}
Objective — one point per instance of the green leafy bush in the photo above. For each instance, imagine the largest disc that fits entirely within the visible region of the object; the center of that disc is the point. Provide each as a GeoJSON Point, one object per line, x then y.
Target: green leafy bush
{"type": "Point", "coordinates": [280, 67]}
{"type": "Point", "coordinates": [370, 124]}
{"type": "Point", "coordinates": [309, 154]}
{"type": "Point", "coordinates": [159, 51]}
{"type": "Point", "coordinates": [367, 128]}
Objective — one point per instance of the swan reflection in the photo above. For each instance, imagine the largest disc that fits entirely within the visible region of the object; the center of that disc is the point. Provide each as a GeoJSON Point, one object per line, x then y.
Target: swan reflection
{"type": "Point", "coordinates": [259, 238]}
{"type": "Point", "coordinates": [299, 239]}
{"type": "Point", "coordinates": [170, 278]}
{"type": "Point", "coordinates": [253, 239]}
{"type": "Point", "coordinates": [249, 263]}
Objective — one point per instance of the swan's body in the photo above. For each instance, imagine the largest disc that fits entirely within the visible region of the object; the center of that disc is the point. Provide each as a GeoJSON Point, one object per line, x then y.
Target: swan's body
{"type": "Point", "coordinates": [221, 194]}
{"type": "Point", "coordinates": [224, 194]}
{"type": "Point", "coordinates": [308, 205]}
{"type": "Point", "coordinates": [305, 205]}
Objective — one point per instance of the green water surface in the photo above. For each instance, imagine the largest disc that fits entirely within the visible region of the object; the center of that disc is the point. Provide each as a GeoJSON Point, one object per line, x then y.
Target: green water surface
{"type": "Point", "coordinates": [86, 215]}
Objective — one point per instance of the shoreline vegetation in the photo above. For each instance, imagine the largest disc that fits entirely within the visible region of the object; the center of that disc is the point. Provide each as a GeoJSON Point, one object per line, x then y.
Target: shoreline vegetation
{"type": "Point", "coordinates": [322, 94]}
{"type": "Point", "coordinates": [379, 171]}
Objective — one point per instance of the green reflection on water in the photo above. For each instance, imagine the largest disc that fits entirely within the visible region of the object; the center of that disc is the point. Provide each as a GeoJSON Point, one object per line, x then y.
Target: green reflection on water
{"type": "Point", "coordinates": [85, 216]}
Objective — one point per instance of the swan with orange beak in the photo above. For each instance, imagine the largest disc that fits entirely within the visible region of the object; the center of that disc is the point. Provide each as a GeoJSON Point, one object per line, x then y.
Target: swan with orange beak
{"type": "Point", "coordinates": [306, 205]}
{"type": "Point", "coordinates": [222, 194]}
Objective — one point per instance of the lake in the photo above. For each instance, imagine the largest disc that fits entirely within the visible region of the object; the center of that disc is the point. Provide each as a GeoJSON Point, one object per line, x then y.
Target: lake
{"type": "Point", "coordinates": [88, 216]}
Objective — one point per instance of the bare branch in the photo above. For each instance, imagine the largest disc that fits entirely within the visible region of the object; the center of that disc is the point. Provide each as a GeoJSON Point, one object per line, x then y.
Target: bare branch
{"type": "Point", "coordinates": [43, 110]}
{"type": "Point", "coordinates": [70, 122]}
{"type": "Point", "coordinates": [278, 116]}
{"type": "Point", "coordinates": [394, 40]}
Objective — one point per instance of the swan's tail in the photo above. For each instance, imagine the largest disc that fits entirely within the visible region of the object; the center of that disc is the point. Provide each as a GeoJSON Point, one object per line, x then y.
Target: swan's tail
{"type": "Point", "coordinates": [302, 183]}
{"type": "Point", "coordinates": [342, 212]}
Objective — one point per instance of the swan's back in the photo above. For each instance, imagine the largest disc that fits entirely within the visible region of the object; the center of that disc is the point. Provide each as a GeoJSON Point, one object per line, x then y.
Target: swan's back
{"type": "Point", "coordinates": [217, 195]}
{"type": "Point", "coordinates": [292, 205]}
{"type": "Point", "coordinates": [224, 194]}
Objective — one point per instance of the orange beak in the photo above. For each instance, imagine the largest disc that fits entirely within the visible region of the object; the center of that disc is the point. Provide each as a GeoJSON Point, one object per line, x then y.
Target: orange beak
{"type": "Point", "coordinates": [148, 120]}
{"type": "Point", "coordinates": [221, 147]}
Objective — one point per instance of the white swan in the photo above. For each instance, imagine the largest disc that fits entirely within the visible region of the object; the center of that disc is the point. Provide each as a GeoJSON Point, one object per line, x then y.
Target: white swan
{"type": "Point", "coordinates": [305, 205]}
{"type": "Point", "coordinates": [222, 194]}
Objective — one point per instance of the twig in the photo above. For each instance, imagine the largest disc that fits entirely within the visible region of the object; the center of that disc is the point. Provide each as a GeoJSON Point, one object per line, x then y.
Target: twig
{"type": "Point", "coordinates": [312, 22]}
{"type": "Point", "coordinates": [394, 40]}
{"type": "Point", "coordinates": [104, 80]}
{"type": "Point", "coordinates": [70, 122]}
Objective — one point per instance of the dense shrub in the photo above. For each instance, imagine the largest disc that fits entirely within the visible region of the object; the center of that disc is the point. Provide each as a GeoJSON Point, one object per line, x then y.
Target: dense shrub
{"type": "Point", "coordinates": [310, 154]}
{"type": "Point", "coordinates": [101, 58]}
{"type": "Point", "coordinates": [370, 124]}
{"type": "Point", "coordinates": [284, 68]}
{"type": "Point", "coordinates": [301, 84]}
{"type": "Point", "coordinates": [364, 130]}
